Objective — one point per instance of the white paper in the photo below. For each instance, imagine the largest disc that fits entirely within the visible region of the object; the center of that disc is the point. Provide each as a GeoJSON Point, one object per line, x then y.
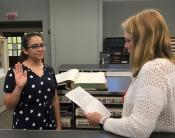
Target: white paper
{"type": "Point", "coordinates": [69, 75]}
{"type": "Point", "coordinates": [91, 77]}
{"type": "Point", "coordinates": [87, 102]}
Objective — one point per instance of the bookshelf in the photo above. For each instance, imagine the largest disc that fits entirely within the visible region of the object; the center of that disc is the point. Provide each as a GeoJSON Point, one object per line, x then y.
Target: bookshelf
{"type": "Point", "coordinates": [172, 42]}
{"type": "Point", "coordinates": [114, 51]}
{"type": "Point", "coordinates": [72, 115]}
{"type": "Point", "coordinates": [4, 61]}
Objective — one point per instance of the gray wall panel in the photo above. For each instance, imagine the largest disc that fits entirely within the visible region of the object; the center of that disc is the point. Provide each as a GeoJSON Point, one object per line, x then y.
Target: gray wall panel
{"type": "Point", "coordinates": [75, 32]}
{"type": "Point", "coordinates": [114, 12]}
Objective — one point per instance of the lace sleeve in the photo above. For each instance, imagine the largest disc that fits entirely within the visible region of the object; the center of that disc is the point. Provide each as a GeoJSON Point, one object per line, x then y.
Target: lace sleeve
{"type": "Point", "coordinates": [150, 99]}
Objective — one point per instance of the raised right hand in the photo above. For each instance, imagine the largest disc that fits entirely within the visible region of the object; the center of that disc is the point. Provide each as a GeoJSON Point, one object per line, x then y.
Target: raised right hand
{"type": "Point", "coordinates": [20, 75]}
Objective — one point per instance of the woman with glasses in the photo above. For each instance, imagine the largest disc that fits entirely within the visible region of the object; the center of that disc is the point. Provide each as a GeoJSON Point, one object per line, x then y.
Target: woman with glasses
{"type": "Point", "coordinates": [30, 89]}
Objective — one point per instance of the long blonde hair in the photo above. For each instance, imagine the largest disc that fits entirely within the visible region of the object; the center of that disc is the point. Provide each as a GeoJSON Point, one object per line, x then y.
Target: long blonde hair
{"type": "Point", "coordinates": [151, 38]}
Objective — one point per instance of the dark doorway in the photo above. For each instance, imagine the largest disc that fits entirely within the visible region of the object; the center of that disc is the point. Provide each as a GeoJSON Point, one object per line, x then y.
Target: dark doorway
{"type": "Point", "coordinates": [14, 31]}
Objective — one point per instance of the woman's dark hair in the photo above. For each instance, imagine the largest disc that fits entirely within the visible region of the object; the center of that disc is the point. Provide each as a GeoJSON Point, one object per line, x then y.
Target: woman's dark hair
{"type": "Point", "coordinates": [24, 44]}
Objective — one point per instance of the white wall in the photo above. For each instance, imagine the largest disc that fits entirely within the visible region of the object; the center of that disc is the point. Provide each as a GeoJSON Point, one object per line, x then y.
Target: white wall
{"type": "Point", "coordinates": [79, 26]}
{"type": "Point", "coordinates": [76, 27]}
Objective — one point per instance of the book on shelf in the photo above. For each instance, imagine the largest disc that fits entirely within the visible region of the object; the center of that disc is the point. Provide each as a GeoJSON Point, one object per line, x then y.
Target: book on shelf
{"type": "Point", "coordinates": [87, 102]}
{"type": "Point", "coordinates": [87, 80]}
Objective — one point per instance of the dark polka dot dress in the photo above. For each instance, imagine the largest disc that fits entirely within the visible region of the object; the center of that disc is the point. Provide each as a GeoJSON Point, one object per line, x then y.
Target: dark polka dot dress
{"type": "Point", "coordinates": [34, 110]}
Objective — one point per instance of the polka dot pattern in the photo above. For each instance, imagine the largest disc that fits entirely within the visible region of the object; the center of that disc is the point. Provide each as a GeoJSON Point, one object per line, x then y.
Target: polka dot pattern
{"type": "Point", "coordinates": [34, 111]}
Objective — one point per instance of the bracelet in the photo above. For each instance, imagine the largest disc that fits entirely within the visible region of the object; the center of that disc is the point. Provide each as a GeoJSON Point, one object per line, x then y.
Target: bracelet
{"type": "Point", "coordinates": [102, 120]}
{"type": "Point", "coordinates": [101, 126]}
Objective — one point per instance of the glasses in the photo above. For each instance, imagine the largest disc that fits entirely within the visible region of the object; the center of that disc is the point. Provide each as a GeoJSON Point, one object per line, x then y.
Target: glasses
{"type": "Point", "coordinates": [36, 46]}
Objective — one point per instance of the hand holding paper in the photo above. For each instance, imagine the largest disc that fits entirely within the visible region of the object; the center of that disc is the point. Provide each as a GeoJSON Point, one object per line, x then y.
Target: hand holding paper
{"type": "Point", "coordinates": [87, 102]}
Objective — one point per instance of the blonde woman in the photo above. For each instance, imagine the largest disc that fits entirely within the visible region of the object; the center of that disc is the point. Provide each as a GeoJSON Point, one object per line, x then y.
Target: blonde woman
{"type": "Point", "coordinates": [149, 103]}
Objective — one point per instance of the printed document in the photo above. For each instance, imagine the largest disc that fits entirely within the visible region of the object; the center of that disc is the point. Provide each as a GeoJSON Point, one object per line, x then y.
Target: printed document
{"type": "Point", "coordinates": [87, 102]}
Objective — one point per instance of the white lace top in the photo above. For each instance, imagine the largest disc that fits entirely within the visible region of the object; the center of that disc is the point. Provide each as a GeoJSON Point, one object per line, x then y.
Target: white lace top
{"type": "Point", "coordinates": [149, 103]}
